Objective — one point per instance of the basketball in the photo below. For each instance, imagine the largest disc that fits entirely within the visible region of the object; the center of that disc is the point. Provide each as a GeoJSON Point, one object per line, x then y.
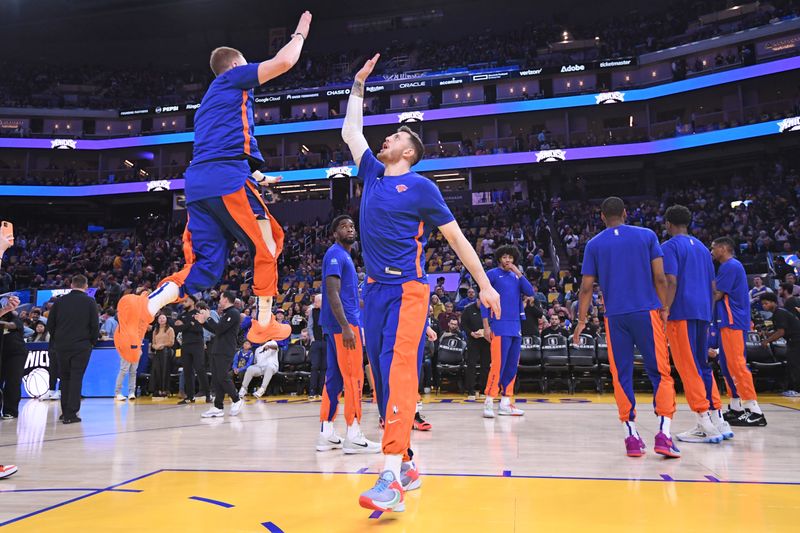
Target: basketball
{"type": "Point", "coordinates": [37, 382]}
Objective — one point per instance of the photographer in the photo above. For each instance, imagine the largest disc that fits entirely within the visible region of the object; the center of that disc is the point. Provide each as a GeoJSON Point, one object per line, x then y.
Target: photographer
{"type": "Point", "coordinates": [785, 325]}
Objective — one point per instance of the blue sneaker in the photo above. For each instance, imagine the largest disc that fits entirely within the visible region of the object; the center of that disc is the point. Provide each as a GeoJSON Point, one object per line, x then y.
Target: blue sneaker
{"type": "Point", "coordinates": [386, 495]}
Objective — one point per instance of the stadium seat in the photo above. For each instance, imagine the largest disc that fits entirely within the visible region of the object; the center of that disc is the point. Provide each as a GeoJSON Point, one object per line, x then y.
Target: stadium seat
{"type": "Point", "coordinates": [762, 362]}
{"type": "Point", "coordinates": [295, 367]}
{"type": "Point", "coordinates": [530, 363]}
{"type": "Point", "coordinates": [555, 357]}
{"type": "Point", "coordinates": [451, 360]}
{"type": "Point", "coordinates": [583, 362]}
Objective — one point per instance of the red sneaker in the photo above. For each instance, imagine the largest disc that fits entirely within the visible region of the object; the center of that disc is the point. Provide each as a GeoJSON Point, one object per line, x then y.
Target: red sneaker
{"type": "Point", "coordinates": [7, 470]}
{"type": "Point", "coordinates": [420, 424]}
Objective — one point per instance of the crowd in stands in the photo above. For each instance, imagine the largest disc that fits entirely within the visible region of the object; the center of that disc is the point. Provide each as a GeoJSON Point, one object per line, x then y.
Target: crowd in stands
{"type": "Point", "coordinates": [33, 85]}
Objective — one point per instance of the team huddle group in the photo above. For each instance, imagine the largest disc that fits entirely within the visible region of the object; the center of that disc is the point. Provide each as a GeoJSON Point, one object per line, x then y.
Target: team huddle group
{"type": "Point", "coordinates": [649, 294]}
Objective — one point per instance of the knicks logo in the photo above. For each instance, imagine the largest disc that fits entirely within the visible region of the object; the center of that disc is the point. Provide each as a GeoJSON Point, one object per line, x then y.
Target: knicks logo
{"type": "Point", "coordinates": [401, 188]}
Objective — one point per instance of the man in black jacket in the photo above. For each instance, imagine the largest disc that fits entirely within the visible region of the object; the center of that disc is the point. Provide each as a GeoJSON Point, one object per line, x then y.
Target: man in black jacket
{"type": "Point", "coordinates": [223, 348]}
{"type": "Point", "coordinates": [193, 350]}
{"type": "Point", "coordinates": [74, 327]}
{"type": "Point", "coordinates": [478, 349]}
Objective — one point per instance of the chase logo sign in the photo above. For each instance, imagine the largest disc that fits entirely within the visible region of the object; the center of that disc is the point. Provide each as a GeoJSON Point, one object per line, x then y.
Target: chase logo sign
{"type": "Point", "coordinates": [549, 156]}
{"type": "Point", "coordinates": [610, 98]}
{"type": "Point", "coordinates": [157, 185]}
{"type": "Point", "coordinates": [411, 116]}
{"type": "Point", "coordinates": [339, 172]}
{"type": "Point", "coordinates": [63, 144]}
{"type": "Point", "coordinates": [789, 124]}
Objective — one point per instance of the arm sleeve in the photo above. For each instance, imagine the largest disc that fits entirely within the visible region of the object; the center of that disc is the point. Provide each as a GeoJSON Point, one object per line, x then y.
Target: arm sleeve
{"type": "Point", "coordinates": [525, 286]}
{"type": "Point", "coordinates": [211, 325]}
{"type": "Point", "coordinates": [433, 208]}
{"type": "Point", "coordinates": [333, 265]}
{"type": "Point", "coordinates": [244, 77]}
{"type": "Point", "coordinates": [353, 126]}
{"type": "Point", "coordinates": [725, 278]}
{"type": "Point", "coordinates": [670, 260]}
{"type": "Point", "coordinates": [589, 267]}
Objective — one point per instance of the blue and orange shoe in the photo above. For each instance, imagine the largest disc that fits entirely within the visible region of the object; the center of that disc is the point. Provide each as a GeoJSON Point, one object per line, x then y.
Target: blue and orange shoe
{"type": "Point", "coordinates": [409, 476]}
{"type": "Point", "coordinates": [634, 446]}
{"type": "Point", "coordinates": [664, 446]}
{"type": "Point", "coordinates": [386, 495]}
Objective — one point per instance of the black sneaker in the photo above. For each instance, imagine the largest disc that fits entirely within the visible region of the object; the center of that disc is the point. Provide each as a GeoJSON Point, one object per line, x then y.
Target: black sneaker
{"type": "Point", "coordinates": [185, 401]}
{"type": "Point", "coordinates": [749, 419]}
{"type": "Point", "coordinates": [72, 420]}
{"type": "Point", "coordinates": [732, 414]}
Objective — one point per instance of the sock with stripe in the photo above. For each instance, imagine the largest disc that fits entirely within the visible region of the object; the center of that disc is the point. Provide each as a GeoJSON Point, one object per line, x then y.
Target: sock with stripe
{"type": "Point", "coordinates": [664, 424]}
{"type": "Point", "coordinates": [326, 429]}
{"type": "Point", "coordinates": [264, 310]}
{"type": "Point", "coordinates": [630, 429]}
{"type": "Point", "coordinates": [164, 295]}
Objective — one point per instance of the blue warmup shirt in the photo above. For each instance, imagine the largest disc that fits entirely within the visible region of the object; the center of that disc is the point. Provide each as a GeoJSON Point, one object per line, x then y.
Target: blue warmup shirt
{"type": "Point", "coordinates": [690, 262]}
{"type": "Point", "coordinates": [337, 262]}
{"type": "Point", "coordinates": [733, 311]}
{"type": "Point", "coordinates": [224, 129]}
{"type": "Point", "coordinates": [397, 215]}
{"type": "Point", "coordinates": [620, 259]}
{"type": "Point", "coordinates": [512, 308]}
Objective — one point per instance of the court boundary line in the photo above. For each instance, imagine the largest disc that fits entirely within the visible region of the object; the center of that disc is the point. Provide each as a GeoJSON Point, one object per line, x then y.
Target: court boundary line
{"type": "Point", "coordinates": [502, 475]}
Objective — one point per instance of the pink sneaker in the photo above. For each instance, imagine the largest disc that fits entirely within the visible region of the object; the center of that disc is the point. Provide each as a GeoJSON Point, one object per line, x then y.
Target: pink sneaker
{"type": "Point", "coordinates": [634, 446]}
{"type": "Point", "coordinates": [664, 446]}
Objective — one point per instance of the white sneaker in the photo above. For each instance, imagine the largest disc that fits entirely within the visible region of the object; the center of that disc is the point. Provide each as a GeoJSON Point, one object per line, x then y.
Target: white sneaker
{"type": "Point", "coordinates": [45, 396]}
{"type": "Point", "coordinates": [131, 396]}
{"type": "Point", "coordinates": [242, 392]}
{"type": "Point", "coordinates": [236, 407]}
{"type": "Point", "coordinates": [259, 393]}
{"type": "Point", "coordinates": [790, 394]}
{"type": "Point", "coordinates": [509, 410]}
{"type": "Point", "coordinates": [213, 413]}
{"type": "Point", "coordinates": [361, 444]}
{"type": "Point", "coordinates": [488, 410]}
{"type": "Point", "coordinates": [704, 431]}
{"type": "Point", "coordinates": [471, 398]}
{"type": "Point", "coordinates": [723, 427]}
{"type": "Point", "coordinates": [331, 442]}
{"type": "Point", "coordinates": [119, 398]}
{"type": "Point", "coordinates": [55, 395]}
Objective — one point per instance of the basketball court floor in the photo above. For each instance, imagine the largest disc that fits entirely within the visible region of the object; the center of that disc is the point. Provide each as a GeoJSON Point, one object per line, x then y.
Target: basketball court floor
{"type": "Point", "coordinates": [155, 466]}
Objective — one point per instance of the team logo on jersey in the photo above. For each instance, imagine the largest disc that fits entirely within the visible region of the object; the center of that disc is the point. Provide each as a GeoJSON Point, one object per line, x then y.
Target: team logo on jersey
{"type": "Point", "coordinates": [339, 172]}
{"type": "Point", "coordinates": [157, 185]}
{"type": "Point", "coordinates": [610, 98]}
{"type": "Point", "coordinates": [411, 116]}
{"type": "Point", "coordinates": [401, 188]}
{"type": "Point", "coordinates": [789, 124]}
{"type": "Point", "coordinates": [63, 144]}
{"type": "Point", "coordinates": [548, 156]}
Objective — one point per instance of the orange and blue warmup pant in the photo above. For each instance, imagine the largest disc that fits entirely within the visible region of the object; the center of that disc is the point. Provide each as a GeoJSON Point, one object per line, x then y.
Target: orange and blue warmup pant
{"type": "Point", "coordinates": [688, 342]}
{"type": "Point", "coordinates": [395, 317]}
{"type": "Point", "coordinates": [345, 371]}
{"type": "Point", "coordinates": [503, 370]}
{"type": "Point", "coordinates": [645, 330]}
{"type": "Point", "coordinates": [734, 364]}
{"type": "Point", "coordinates": [213, 224]}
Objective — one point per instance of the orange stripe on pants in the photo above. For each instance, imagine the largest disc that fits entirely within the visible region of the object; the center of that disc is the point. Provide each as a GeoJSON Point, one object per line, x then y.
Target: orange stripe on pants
{"type": "Point", "coordinates": [352, 372]}
{"type": "Point", "coordinates": [403, 373]}
{"type": "Point", "coordinates": [493, 381]}
{"type": "Point", "coordinates": [265, 265]}
{"type": "Point", "coordinates": [733, 345]}
{"type": "Point", "coordinates": [684, 359]}
{"type": "Point", "coordinates": [623, 404]}
{"type": "Point", "coordinates": [665, 395]}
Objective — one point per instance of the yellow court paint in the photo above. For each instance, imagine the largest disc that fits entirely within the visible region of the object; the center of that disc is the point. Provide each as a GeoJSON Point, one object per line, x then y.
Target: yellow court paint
{"type": "Point", "coordinates": [327, 503]}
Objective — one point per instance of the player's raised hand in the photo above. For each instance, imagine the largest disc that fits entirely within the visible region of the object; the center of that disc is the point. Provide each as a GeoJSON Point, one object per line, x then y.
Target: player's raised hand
{"type": "Point", "coordinates": [304, 25]}
{"type": "Point", "coordinates": [491, 299]}
{"type": "Point", "coordinates": [366, 70]}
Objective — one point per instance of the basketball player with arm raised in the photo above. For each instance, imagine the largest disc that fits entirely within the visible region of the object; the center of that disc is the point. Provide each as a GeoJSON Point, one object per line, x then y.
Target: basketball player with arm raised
{"type": "Point", "coordinates": [222, 201]}
{"type": "Point", "coordinates": [399, 209]}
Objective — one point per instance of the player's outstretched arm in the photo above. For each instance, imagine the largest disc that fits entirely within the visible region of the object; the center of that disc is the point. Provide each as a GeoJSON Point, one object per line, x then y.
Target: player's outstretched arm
{"type": "Point", "coordinates": [287, 56]}
{"type": "Point", "coordinates": [464, 250]}
{"type": "Point", "coordinates": [353, 126]}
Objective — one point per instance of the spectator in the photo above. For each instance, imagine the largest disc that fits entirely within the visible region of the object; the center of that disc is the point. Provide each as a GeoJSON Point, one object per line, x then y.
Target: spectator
{"type": "Point", "coordinates": [266, 365]}
{"type": "Point", "coordinates": [40, 333]}
{"type": "Point", "coordinates": [469, 299]}
{"type": "Point", "coordinates": [12, 359]}
{"type": "Point", "coordinates": [437, 308]}
{"type": "Point", "coordinates": [241, 362]}
{"type": "Point", "coordinates": [555, 327]}
{"type": "Point", "coordinates": [453, 330]}
{"type": "Point", "coordinates": [161, 350]}
{"type": "Point", "coordinates": [446, 316]}
{"type": "Point", "coordinates": [110, 325]}
{"type": "Point", "coordinates": [790, 303]}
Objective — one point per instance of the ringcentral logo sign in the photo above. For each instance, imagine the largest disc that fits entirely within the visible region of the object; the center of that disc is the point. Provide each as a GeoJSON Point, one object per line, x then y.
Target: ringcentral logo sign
{"type": "Point", "coordinates": [63, 144]}
{"type": "Point", "coordinates": [339, 172]}
{"type": "Point", "coordinates": [374, 88]}
{"type": "Point", "coordinates": [789, 124]}
{"type": "Point", "coordinates": [573, 68]}
{"type": "Point", "coordinates": [158, 185]}
{"type": "Point", "coordinates": [610, 98]}
{"type": "Point", "coordinates": [411, 116]}
{"type": "Point", "coordinates": [549, 156]}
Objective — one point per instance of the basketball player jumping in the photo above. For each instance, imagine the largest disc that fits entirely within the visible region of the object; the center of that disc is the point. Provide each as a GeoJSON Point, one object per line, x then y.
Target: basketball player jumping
{"type": "Point", "coordinates": [399, 208]}
{"type": "Point", "coordinates": [223, 203]}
